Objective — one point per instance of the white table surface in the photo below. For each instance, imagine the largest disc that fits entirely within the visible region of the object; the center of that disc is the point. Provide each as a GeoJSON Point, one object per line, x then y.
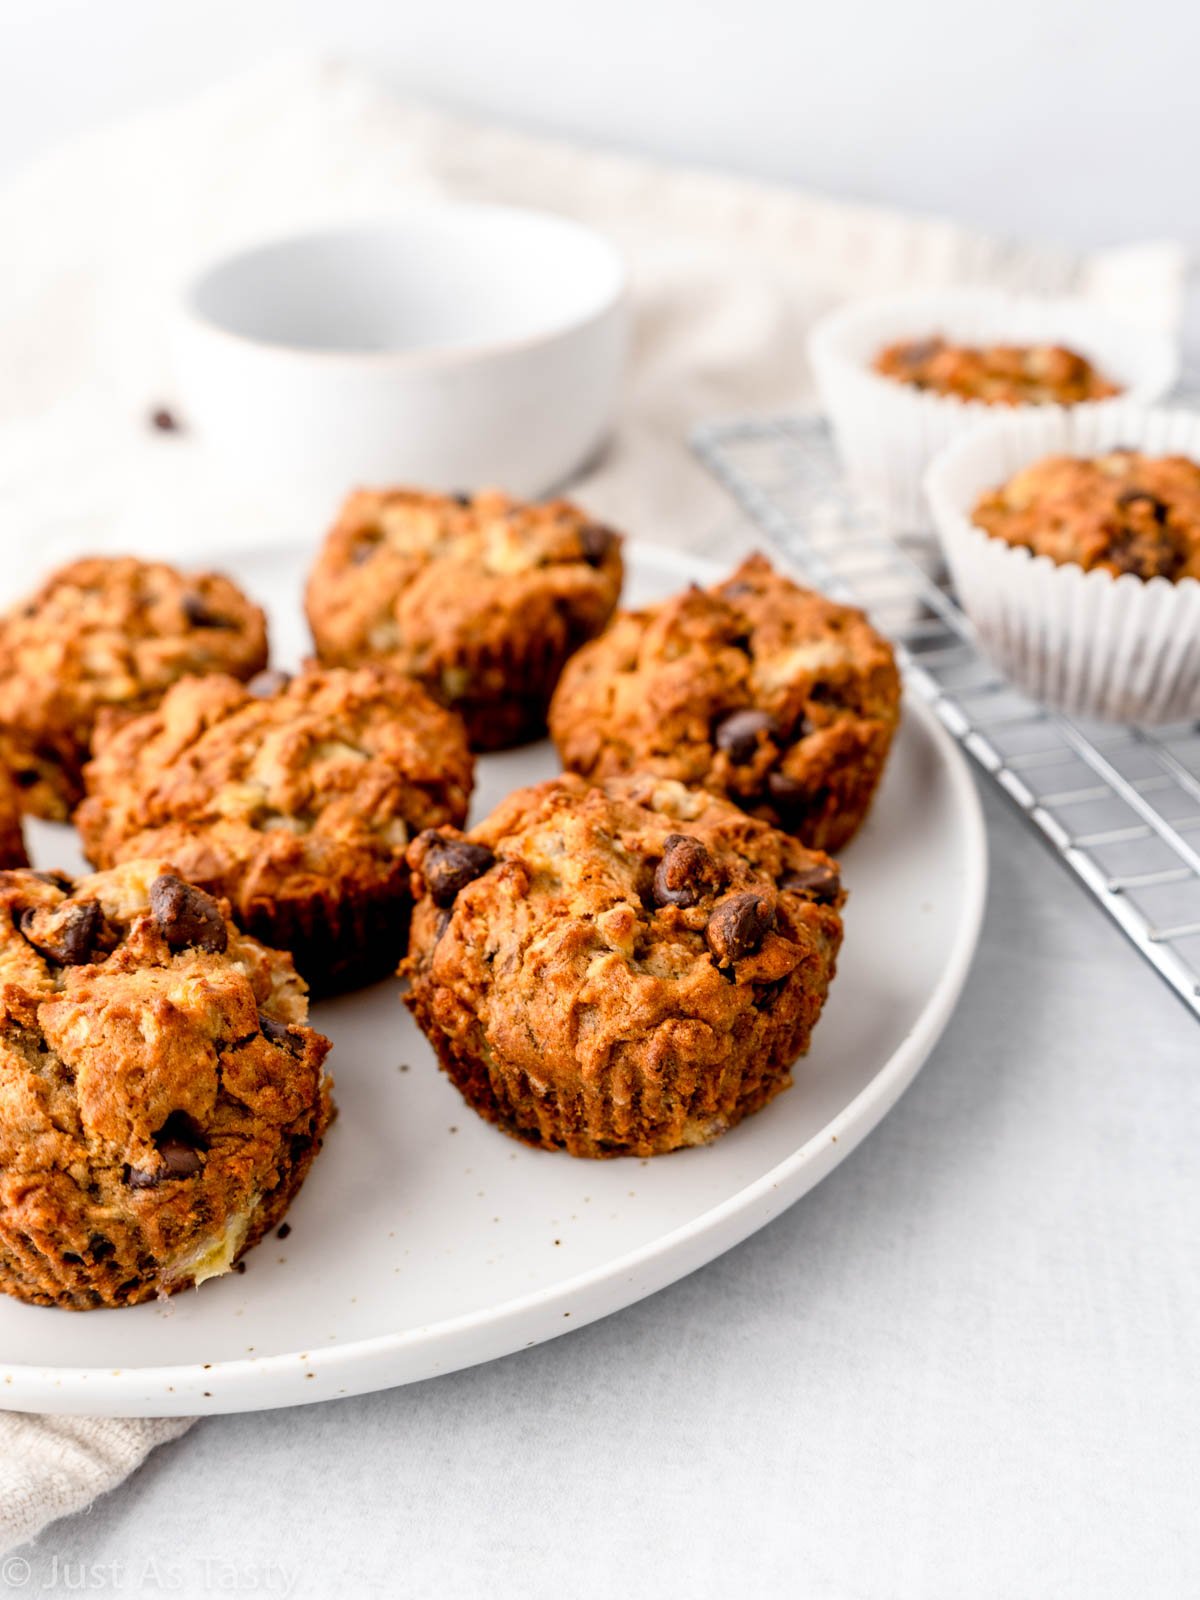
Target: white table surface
{"type": "Point", "coordinates": [964, 1366]}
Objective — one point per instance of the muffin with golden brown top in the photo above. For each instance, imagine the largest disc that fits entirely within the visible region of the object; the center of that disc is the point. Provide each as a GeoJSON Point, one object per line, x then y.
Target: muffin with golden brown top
{"type": "Point", "coordinates": [620, 970]}
{"type": "Point", "coordinates": [12, 840]}
{"type": "Point", "coordinates": [481, 599]}
{"type": "Point", "coordinates": [756, 689]}
{"type": "Point", "coordinates": [105, 638]}
{"type": "Point", "coordinates": [294, 798]}
{"type": "Point", "coordinates": [995, 374]}
{"type": "Point", "coordinates": [1123, 511]}
{"type": "Point", "coordinates": [161, 1096]}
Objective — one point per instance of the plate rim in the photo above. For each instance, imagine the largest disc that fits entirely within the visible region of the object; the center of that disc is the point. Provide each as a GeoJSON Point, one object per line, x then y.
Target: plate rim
{"type": "Point", "coordinates": [113, 1391]}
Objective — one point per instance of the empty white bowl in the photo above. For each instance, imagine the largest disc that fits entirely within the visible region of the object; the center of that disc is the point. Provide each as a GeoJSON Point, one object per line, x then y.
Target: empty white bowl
{"type": "Point", "coordinates": [456, 347]}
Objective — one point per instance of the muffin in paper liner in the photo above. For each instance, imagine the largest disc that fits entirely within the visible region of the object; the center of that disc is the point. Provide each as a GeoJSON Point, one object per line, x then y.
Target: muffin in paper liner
{"type": "Point", "coordinates": [1122, 649]}
{"type": "Point", "coordinates": [887, 432]}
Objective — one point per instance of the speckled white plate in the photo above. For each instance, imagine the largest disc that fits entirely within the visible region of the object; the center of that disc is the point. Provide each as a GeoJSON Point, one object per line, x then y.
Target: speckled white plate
{"type": "Point", "coordinates": [425, 1240]}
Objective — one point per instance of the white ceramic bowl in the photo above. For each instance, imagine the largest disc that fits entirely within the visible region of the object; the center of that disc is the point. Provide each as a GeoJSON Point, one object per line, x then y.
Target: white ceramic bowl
{"type": "Point", "coordinates": [455, 347]}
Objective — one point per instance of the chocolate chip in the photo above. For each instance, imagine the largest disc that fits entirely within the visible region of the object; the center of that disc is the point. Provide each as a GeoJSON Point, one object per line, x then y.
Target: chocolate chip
{"type": "Point", "coordinates": [66, 934]}
{"type": "Point", "coordinates": [186, 915]}
{"type": "Point", "coordinates": [738, 734]}
{"type": "Point", "coordinates": [100, 1247]}
{"type": "Point", "coordinates": [449, 865]}
{"type": "Point", "coordinates": [685, 873]}
{"type": "Point", "coordinates": [26, 777]}
{"type": "Point", "coordinates": [182, 1160]}
{"type": "Point", "coordinates": [785, 789]}
{"type": "Point", "coordinates": [263, 685]}
{"type": "Point", "coordinates": [283, 1230]}
{"type": "Point", "coordinates": [56, 880]}
{"type": "Point", "coordinates": [1158, 509]}
{"type": "Point", "coordinates": [820, 882]}
{"type": "Point", "coordinates": [165, 421]}
{"type": "Point", "coordinates": [461, 498]}
{"type": "Point", "coordinates": [738, 926]}
{"type": "Point", "coordinates": [920, 351]}
{"type": "Point", "coordinates": [199, 615]}
{"type": "Point", "coordinates": [178, 1143]}
{"type": "Point", "coordinates": [596, 543]}
{"type": "Point", "coordinates": [279, 1033]}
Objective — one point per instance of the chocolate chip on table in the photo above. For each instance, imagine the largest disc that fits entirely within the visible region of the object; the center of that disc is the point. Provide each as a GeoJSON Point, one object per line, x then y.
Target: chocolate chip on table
{"type": "Point", "coordinates": [596, 542]}
{"type": "Point", "coordinates": [199, 615]}
{"type": "Point", "coordinates": [737, 734]}
{"type": "Point", "coordinates": [186, 916]}
{"type": "Point", "coordinates": [820, 882]}
{"type": "Point", "coordinates": [263, 685]}
{"type": "Point", "coordinates": [685, 872]}
{"type": "Point", "coordinates": [66, 934]}
{"type": "Point", "coordinates": [279, 1033]}
{"type": "Point", "coordinates": [449, 865]}
{"type": "Point", "coordinates": [739, 925]}
{"type": "Point", "coordinates": [165, 421]}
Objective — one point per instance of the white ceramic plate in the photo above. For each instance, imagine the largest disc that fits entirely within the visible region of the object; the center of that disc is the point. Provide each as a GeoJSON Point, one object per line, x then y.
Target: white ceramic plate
{"type": "Point", "coordinates": [425, 1240]}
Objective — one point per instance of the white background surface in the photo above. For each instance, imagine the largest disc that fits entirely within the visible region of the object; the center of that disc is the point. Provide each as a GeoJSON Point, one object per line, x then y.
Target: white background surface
{"type": "Point", "coordinates": [1076, 122]}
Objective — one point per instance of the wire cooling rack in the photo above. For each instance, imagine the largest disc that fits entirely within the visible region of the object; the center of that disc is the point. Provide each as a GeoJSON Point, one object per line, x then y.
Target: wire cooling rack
{"type": "Point", "coordinates": [1120, 806]}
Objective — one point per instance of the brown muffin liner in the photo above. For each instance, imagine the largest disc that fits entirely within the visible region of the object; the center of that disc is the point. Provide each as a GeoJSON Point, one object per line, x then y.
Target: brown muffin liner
{"type": "Point", "coordinates": [338, 940]}
{"type": "Point", "coordinates": [517, 677]}
{"type": "Point", "coordinates": [118, 1271]}
{"type": "Point", "coordinates": [632, 1109]}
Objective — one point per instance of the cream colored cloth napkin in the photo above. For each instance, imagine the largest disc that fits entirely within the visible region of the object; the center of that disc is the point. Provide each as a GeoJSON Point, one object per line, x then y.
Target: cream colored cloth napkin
{"type": "Point", "coordinates": [727, 277]}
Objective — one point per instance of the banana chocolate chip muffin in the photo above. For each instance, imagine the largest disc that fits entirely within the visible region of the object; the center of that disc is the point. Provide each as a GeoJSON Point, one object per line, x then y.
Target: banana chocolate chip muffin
{"type": "Point", "coordinates": [482, 599]}
{"type": "Point", "coordinates": [294, 798]}
{"type": "Point", "coordinates": [756, 689]}
{"type": "Point", "coordinates": [12, 840]}
{"type": "Point", "coordinates": [620, 970]}
{"type": "Point", "coordinates": [996, 374]}
{"type": "Point", "coordinates": [106, 637]}
{"type": "Point", "coordinates": [1119, 512]}
{"type": "Point", "coordinates": [161, 1097]}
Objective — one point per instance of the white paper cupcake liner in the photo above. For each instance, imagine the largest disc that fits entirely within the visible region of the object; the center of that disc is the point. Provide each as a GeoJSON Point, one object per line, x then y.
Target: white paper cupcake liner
{"type": "Point", "coordinates": [887, 433]}
{"type": "Point", "coordinates": [1121, 649]}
